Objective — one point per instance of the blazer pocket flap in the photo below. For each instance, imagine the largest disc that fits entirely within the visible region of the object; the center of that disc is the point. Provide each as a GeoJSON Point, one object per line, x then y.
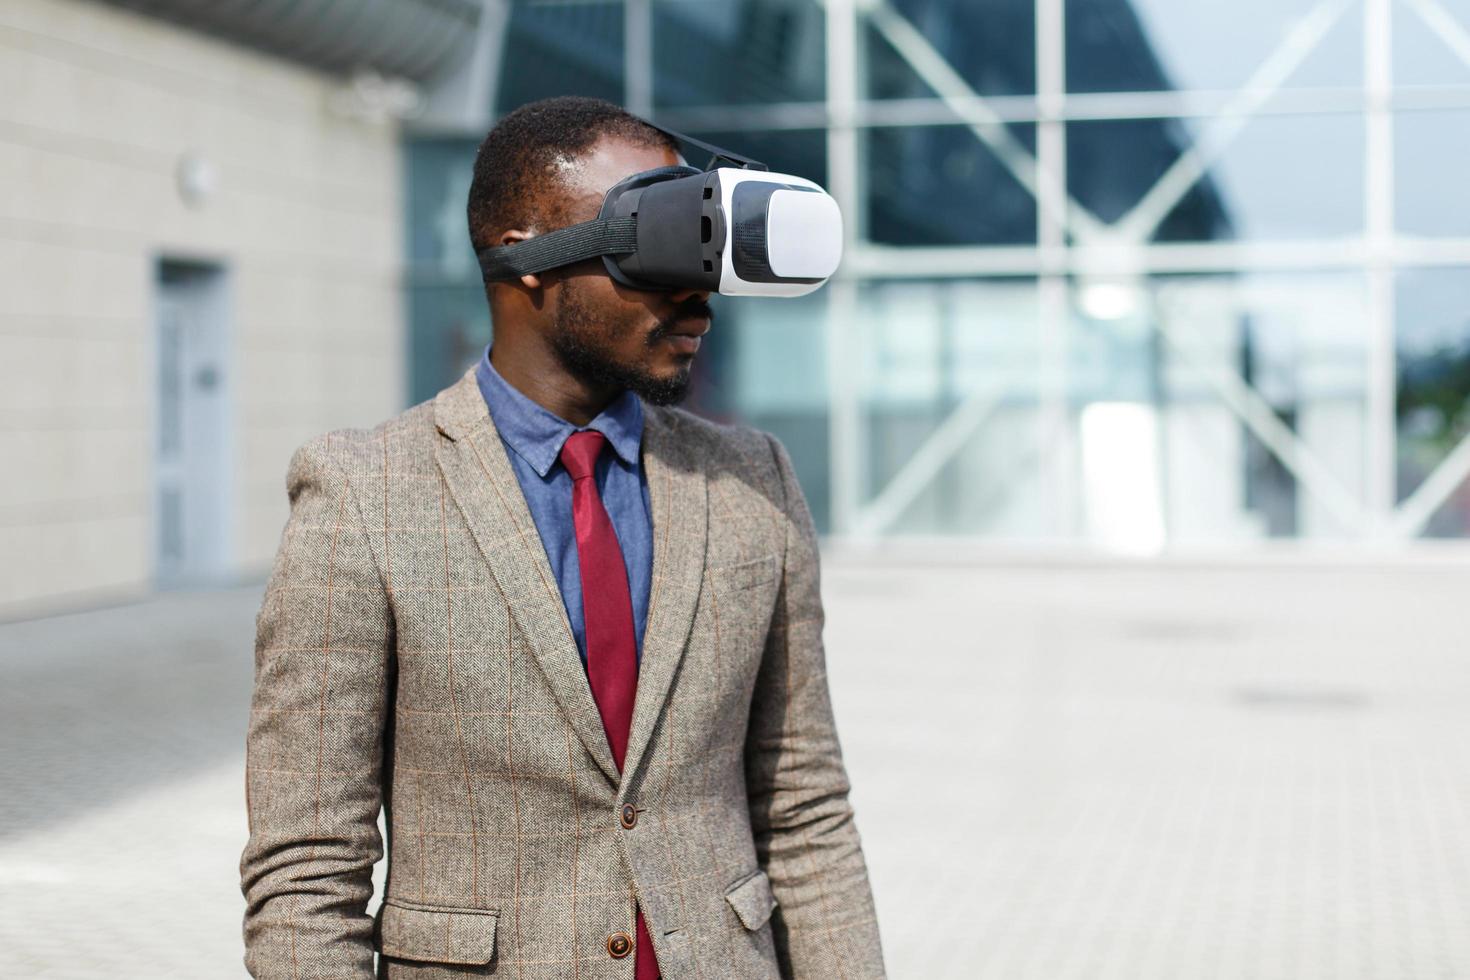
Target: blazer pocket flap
{"type": "Point", "coordinates": [752, 900]}
{"type": "Point", "coordinates": [747, 574]}
{"type": "Point", "coordinates": [435, 934]}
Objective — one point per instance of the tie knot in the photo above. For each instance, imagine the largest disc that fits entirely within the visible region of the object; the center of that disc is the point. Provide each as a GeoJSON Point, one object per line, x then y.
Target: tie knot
{"type": "Point", "coordinates": [579, 453]}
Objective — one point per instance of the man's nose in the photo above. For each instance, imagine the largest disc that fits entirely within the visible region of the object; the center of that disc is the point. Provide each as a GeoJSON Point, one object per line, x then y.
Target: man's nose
{"type": "Point", "coordinates": [683, 295]}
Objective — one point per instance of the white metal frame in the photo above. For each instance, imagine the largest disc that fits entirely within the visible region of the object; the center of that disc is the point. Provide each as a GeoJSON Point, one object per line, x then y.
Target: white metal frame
{"type": "Point", "coordinates": [1072, 242]}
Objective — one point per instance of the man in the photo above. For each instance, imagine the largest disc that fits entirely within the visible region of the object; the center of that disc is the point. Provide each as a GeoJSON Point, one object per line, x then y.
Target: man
{"type": "Point", "coordinates": [567, 636]}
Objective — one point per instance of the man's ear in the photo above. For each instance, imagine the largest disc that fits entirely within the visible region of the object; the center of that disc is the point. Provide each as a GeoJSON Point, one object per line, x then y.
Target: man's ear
{"type": "Point", "coordinates": [512, 236]}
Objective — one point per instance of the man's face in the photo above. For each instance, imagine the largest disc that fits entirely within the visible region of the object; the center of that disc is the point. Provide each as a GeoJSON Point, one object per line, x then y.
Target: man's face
{"type": "Point", "coordinates": [605, 333]}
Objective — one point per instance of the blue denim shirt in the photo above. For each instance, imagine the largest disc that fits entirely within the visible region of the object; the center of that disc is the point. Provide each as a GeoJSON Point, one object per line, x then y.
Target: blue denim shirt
{"type": "Point", "coordinates": [533, 439]}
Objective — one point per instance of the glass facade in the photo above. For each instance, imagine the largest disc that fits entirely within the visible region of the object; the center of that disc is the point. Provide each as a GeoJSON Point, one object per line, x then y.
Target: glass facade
{"type": "Point", "coordinates": [1124, 274]}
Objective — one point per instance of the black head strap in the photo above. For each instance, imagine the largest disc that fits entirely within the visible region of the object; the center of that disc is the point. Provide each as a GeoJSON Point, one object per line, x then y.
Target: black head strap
{"type": "Point", "coordinates": [601, 236]}
{"type": "Point", "coordinates": [588, 240]}
{"type": "Point", "coordinates": [720, 153]}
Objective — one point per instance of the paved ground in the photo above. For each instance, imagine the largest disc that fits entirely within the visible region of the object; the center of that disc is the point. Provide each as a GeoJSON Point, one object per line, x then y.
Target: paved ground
{"type": "Point", "coordinates": [1060, 772]}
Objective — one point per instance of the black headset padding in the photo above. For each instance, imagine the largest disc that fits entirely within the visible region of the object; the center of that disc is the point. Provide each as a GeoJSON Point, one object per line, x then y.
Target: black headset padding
{"type": "Point", "coordinates": [603, 236]}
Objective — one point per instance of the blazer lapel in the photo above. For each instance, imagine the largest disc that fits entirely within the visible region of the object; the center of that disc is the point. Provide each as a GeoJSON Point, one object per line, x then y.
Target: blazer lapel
{"type": "Point", "coordinates": [478, 474]}
{"type": "Point", "coordinates": [678, 493]}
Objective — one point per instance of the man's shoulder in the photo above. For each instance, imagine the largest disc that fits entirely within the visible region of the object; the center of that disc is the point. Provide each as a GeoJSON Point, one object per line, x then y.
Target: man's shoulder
{"type": "Point", "coordinates": [741, 451]}
{"type": "Point", "coordinates": [401, 443]}
{"type": "Point", "coordinates": [718, 443]}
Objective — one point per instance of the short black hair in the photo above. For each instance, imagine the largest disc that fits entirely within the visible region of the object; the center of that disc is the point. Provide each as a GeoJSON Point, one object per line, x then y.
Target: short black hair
{"type": "Point", "coordinates": [521, 153]}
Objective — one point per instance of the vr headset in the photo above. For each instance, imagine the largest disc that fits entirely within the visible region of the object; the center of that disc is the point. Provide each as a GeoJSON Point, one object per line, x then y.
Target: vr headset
{"type": "Point", "coordinates": [738, 230]}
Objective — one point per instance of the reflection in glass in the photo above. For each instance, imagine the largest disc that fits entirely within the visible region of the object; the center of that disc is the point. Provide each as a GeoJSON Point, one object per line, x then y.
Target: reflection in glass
{"type": "Point", "coordinates": [770, 372]}
{"type": "Point", "coordinates": [1281, 177]}
{"type": "Point", "coordinates": [928, 349]}
{"type": "Point", "coordinates": [1106, 368]}
{"type": "Point", "coordinates": [802, 152]}
{"type": "Point", "coordinates": [750, 52]}
{"type": "Point", "coordinates": [561, 49]}
{"type": "Point", "coordinates": [446, 301]}
{"type": "Point", "coordinates": [1433, 378]}
{"type": "Point", "coordinates": [940, 185]}
{"type": "Point", "coordinates": [1112, 164]}
{"type": "Point", "coordinates": [1143, 382]}
{"type": "Point", "coordinates": [1299, 341]}
{"type": "Point", "coordinates": [991, 45]}
{"type": "Point", "coordinates": [1159, 45]}
{"type": "Point", "coordinates": [1427, 51]}
{"type": "Point", "coordinates": [1431, 161]}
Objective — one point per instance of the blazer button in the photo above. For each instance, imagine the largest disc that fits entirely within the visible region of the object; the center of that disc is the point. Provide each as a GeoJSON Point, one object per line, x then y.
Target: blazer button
{"type": "Point", "coordinates": [629, 816]}
{"type": "Point", "coordinates": [619, 944]}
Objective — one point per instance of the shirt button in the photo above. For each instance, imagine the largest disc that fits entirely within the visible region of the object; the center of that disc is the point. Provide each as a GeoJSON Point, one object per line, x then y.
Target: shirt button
{"type": "Point", "coordinates": [619, 944]}
{"type": "Point", "coordinates": [629, 816]}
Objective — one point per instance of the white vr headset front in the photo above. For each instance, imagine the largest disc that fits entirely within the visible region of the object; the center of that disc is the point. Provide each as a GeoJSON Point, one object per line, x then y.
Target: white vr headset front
{"type": "Point", "coordinates": [738, 231]}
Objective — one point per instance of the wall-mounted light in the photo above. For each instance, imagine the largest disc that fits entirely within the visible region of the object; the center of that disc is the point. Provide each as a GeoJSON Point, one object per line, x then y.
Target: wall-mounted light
{"type": "Point", "coordinates": [195, 179]}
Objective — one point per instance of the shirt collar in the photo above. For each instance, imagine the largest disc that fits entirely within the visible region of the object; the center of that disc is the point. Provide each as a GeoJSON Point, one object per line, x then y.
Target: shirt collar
{"type": "Point", "coordinates": [536, 435]}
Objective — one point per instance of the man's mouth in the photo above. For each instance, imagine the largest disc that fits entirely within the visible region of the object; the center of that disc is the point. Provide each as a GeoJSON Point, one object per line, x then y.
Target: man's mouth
{"type": "Point", "coordinates": [683, 330]}
{"type": "Point", "coordinates": [690, 325]}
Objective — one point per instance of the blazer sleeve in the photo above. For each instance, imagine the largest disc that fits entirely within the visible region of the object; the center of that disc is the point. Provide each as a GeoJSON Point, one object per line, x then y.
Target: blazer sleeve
{"type": "Point", "coordinates": [806, 838]}
{"type": "Point", "coordinates": [314, 748]}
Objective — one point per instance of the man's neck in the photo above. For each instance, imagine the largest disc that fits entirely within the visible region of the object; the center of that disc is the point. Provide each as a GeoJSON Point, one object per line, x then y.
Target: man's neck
{"type": "Point", "coordinates": [540, 377]}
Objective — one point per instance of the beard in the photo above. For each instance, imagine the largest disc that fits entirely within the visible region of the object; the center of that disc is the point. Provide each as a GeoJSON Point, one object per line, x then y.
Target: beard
{"type": "Point", "coordinates": [585, 344]}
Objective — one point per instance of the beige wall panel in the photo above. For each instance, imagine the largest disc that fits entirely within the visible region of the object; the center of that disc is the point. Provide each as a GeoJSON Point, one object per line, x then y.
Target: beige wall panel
{"type": "Point", "coordinates": [74, 563]}
{"type": "Point", "coordinates": [114, 97]}
{"type": "Point", "coordinates": [295, 311]}
{"type": "Point", "coordinates": [305, 217]}
{"type": "Point", "coordinates": [59, 468]}
{"type": "Point", "coordinates": [41, 278]}
{"type": "Point", "coordinates": [59, 370]}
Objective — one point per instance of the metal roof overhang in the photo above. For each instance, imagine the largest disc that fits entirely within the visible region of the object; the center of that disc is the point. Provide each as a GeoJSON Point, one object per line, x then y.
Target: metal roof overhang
{"type": "Point", "coordinates": [414, 39]}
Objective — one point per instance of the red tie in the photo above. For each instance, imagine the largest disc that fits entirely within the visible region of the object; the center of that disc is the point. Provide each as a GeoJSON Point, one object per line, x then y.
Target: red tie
{"type": "Point", "coordinates": [607, 614]}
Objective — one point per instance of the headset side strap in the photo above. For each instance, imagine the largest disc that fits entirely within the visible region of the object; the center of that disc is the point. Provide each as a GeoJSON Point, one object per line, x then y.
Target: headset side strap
{"type": "Point", "coordinates": [720, 153]}
{"type": "Point", "coordinates": [588, 240]}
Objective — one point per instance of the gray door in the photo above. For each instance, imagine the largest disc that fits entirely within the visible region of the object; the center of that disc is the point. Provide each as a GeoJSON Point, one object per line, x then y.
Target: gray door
{"type": "Point", "coordinates": [193, 507]}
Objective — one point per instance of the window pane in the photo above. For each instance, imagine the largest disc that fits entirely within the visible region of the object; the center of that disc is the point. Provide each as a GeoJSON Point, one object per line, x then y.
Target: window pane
{"type": "Point", "coordinates": [561, 49]}
{"type": "Point", "coordinates": [991, 45]}
{"type": "Point", "coordinates": [753, 52]}
{"type": "Point", "coordinates": [1281, 177]}
{"type": "Point", "coordinates": [450, 325]}
{"type": "Point", "coordinates": [770, 371]}
{"type": "Point", "coordinates": [1300, 340]}
{"type": "Point", "coordinates": [439, 172]}
{"type": "Point", "coordinates": [926, 350]}
{"type": "Point", "coordinates": [802, 152]}
{"type": "Point", "coordinates": [1431, 160]}
{"type": "Point", "coordinates": [1425, 50]}
{"type": "Point", "coordinates": [1162, 45]}
{"type": "Point", "coordinates": [1433, 377]}
{"type": "Point", "coordinates": [1112, 164]}
{"type": "Point", "coordinates": [940, 185]}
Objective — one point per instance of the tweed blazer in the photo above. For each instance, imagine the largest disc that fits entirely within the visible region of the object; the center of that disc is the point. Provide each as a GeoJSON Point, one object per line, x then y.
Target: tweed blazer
{"type": "Point", "coordinates": [413, 654]}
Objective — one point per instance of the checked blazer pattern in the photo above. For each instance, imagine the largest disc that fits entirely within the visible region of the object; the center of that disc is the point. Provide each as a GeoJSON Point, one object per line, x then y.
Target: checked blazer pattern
{"type": "Point", "coordinates": [412, 653]}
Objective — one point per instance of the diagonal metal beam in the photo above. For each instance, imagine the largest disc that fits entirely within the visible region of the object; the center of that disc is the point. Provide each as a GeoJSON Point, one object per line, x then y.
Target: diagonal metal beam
{"type": "Point", "coordinates": [1136, 227]}
{"type": "Point", "coordinates": [984, 122]}
{"type": "Point", "coordinates": [1140, 223]}
{"type": "Point", "coordinates": [1253, 410]}
{"type": "Point", "coordinates": [941, 446]}
{"type": "Point", "coordinates": [1445, 25]}
{"type": "Point", "coordinates": [1414, 513]}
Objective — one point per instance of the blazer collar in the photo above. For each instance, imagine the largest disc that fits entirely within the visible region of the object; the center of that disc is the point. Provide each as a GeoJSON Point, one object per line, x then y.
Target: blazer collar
{"type": "Point", "coordinates": [537, 435]}
{"type": "Point", "coordinates": [678, 491]}
{"type": "Point", "coordinates": [478, 475]}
